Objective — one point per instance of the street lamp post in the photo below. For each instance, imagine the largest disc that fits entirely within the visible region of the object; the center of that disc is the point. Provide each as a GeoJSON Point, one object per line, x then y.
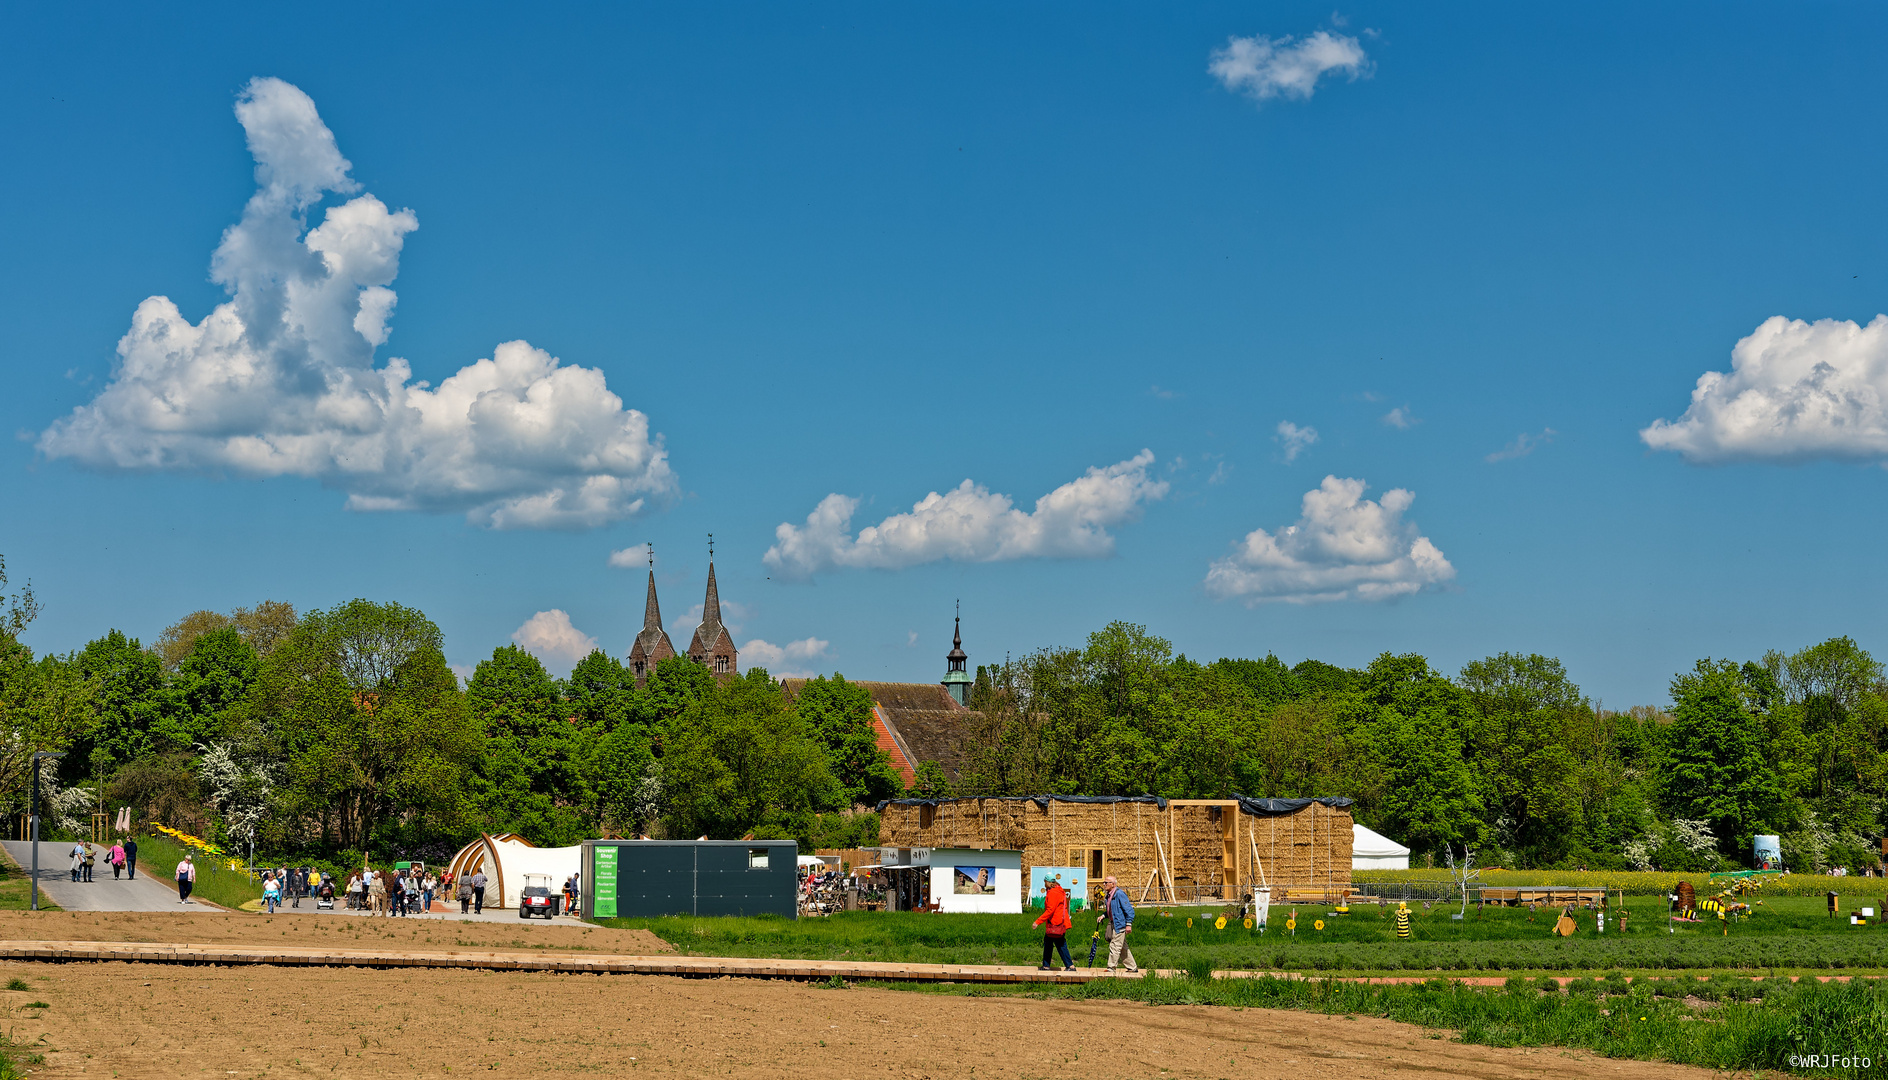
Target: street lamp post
{"type": "Point", "coordinates": [32, 817]}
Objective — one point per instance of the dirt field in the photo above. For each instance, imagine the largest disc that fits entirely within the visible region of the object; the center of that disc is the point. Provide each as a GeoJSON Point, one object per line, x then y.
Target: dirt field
{"type": "Point", "coordinates": [152, 1020]}
{"type": "Point", "coordinates": [219, 928]}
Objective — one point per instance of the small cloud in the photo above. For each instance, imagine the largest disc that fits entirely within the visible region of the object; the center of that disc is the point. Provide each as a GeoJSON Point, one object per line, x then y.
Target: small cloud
{"type": "Point", "coordinates": [1342, 547]}
{"type": "Point", "coordinates": [1220, 472]}
{"type": "Point", "coordinates": [1294, 439]}
{"type": "Point", "coordinates": [1263, 68]}
{"type": "Point", "coordinates": [464, 672]}
{"type": "Point", "coordinates": [971, 523]}
{"type": "Point", "coordinates": [1164, 395]}
{"type": "Point", "coordinates": [1371, 396]}
{"type": "Point", "coordinates": [777, 658]}
{"type": "Point", "coordinates": [911, 639]}
{"type": "Point", "coordinates": [1400, 418]}
{"type": "Point", "coordinates": [630, 558]}
{"type": "Point", "coordinates": [72, 373]}
{"type": "Point", "coordinates": [550, 637]}
{"type": "Point", "coordinates": [1339, 20]}
{"type": "Point", "coordinates": [1523, 445]}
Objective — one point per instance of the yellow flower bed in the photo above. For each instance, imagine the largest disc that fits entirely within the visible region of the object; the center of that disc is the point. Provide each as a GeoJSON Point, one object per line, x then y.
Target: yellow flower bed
{"type": "Point", "coordinates": [188, 840]}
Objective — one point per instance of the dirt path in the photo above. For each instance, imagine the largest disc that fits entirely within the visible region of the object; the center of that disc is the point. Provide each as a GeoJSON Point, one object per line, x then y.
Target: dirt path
{"type": "Point", "coordinates": [124, 1020]}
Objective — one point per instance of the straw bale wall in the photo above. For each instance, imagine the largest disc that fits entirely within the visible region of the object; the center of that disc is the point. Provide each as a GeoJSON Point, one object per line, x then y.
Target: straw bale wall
{"type": "Point", "coordinates": [1208, 848]}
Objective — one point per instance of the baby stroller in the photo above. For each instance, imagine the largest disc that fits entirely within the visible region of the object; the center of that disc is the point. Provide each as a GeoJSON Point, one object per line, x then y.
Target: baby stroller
{"type": "Point", "coordinates": [324, 896]}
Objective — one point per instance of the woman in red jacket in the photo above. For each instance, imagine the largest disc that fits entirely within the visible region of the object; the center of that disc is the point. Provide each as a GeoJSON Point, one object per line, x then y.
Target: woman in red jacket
{"type": "Point", "coordinates": [1054, 921]}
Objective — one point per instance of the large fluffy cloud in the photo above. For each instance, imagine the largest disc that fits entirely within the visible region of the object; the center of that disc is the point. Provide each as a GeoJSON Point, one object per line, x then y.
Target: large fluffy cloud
{"type": "Point", "coordinates": [970, 523]}
{"type": "Point", "coordinates": [1342, 547]}
{"type": "Point", "coordinates": [550, 636]}
{"type": "Point", "coordinates": [1263, 68]}
{"type": "Point", "coordinates": [1796, 391]}
{"type": "Point", "coordinates": [280, 379]}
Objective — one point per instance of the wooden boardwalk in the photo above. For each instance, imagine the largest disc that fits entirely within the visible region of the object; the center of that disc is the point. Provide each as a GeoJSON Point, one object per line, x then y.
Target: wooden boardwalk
{"type": "Point", "coordinates": [704, 967]}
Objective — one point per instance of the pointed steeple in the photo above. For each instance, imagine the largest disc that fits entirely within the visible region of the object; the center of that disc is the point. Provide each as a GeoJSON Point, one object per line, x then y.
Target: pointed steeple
{"type": "Point", "coordinates": [651, 610]}
{"type": "Point", "coordinates": [956, 679]}
{"type": "Point", "coordinates": [713, 646]}
{"type": "Point", "coordinates": [652, 643]}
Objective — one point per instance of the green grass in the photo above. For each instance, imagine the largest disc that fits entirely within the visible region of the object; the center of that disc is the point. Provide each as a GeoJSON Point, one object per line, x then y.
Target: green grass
{"type": "Point", "coordinates": [1786, 936]}
{"type": "Point", "coordinates": [158, 856]}
{"type": "Point", "coordinates": [16, 890]}
{"type": "Point", "coordinates": [1635, 883]}
{"type": "Point", "coordinates": [1734, 1023]}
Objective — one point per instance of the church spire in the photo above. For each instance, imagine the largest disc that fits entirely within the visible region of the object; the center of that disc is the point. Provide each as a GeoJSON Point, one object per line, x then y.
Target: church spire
{"type": "Point", "coordinates": [956, 679]}
{"type": "Point", "coordinates": [713, 647]}
{"type": "Point", "coordinates": [652, 644]}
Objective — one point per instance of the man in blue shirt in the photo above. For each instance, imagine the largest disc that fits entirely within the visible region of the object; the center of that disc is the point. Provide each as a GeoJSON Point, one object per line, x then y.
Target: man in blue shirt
{"type": "Point", "coordinates": [1118, 911]}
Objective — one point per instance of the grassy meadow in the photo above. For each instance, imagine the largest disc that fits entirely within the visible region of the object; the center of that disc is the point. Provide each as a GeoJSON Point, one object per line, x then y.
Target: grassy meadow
{"type": "Point", "coordinates": [1786, 935]}
{"type": "Point", "coordinates": [1632, 882]}
{"type": "Point", "coordinates": [158, 856]}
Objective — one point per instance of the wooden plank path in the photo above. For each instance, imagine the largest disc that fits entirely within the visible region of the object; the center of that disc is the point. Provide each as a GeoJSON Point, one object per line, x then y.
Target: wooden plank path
{"type": "Point", "coordinates": [140, 952]}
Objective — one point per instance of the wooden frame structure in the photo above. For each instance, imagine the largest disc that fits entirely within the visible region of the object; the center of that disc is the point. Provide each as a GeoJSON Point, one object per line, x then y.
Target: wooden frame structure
{"type": "Point", "coordinates": [1162, 850]}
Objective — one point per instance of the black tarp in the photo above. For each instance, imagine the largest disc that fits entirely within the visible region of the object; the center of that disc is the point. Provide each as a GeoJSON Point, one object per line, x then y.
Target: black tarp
{"type": "Point", "coordinates": [1269, 807]}
{"type": "Point", "coordinates": [1259, 807]}
{"type": "Point", "coordinates": [1040, 800]}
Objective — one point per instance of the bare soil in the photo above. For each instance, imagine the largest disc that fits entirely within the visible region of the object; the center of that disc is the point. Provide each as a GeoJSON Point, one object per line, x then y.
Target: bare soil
{"type": "Point", "coordinates": [153, 1020]}
{"type": "Point", "coordinates": [221, 928]}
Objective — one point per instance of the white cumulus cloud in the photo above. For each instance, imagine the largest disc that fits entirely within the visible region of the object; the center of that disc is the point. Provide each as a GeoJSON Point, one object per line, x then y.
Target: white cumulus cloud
{"type": "Point", "coordinates": [970, 523]}
{"type": "Point", "coordinates": [1342, 547]}
{"type": "Point", "coordinates": [280, 380]}
{"type": "Point", "coordinates": [784, 661]}
{"type": "Point", "coordinates": [630, 558]}
{"type": "Point", "coordinates": [1263, 67]}
{"type": "Point", "coordinates": [1293, 439]}
{"type": "Point", "coordinates": [1796, 391]}
{"type": "Point", "coordinates": [550, 637]}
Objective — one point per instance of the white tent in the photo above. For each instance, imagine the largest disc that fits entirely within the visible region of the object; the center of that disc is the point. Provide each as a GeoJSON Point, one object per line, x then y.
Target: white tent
{"type": "Point", "coordinates": [506, 859]}
{"type": "Point", "coordinates": [1370, 850]}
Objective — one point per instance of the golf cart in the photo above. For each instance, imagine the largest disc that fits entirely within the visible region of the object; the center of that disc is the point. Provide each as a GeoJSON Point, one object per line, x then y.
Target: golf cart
{"type": "Point", "coordinates": [538, 899]}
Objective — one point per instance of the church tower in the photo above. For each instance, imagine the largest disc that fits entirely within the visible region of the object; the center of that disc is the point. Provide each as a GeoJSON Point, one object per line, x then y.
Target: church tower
{"type": "Point", "coordinates": [652, 644]}
{"type": "Point", "coordinates": [956, 679]}
{"type": "Point", "coordinates": [712, 646]}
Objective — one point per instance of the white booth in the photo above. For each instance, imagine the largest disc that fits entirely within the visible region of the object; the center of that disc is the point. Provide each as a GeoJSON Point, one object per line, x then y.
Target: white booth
{"type": "Point", "coordinates": [1371, 850]}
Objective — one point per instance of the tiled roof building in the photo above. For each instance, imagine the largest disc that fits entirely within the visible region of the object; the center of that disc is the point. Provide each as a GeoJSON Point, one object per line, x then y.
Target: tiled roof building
{"type": "Point", "coordinates": [652, 643]}
{"type": "Point", "coordinates": [712, 646]}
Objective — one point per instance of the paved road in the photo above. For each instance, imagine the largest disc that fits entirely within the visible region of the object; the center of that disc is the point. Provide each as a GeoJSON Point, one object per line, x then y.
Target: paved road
{"type": "Point", "coordinates": [103, 892]}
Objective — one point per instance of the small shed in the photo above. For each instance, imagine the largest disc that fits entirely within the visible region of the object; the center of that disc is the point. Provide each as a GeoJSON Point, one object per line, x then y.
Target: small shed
{"type": "Point", "coordinates": [648, 878]}
{"type": "Point", "coordinates": [1371, 850]}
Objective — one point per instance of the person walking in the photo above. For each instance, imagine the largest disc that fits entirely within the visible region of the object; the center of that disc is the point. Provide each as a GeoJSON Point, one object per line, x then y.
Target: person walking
{"type": "Point", "coordinates": [465, 895]}
{"type": "Point", "coordinates": [355, 890]}
{"type": "Point", "coordinates": [76, 857]}
{"type": "Point", "coordinates": [1054, 921]}
{"type": "Point", "coordinates": [271, 893]}
{"type": "Point", "coordinates": [478, 892]}
{"type": "Point", "coordinates": [117, 860]}
{"type": "Point", "coordinates": [131, 858]}
{"type": "Point", "coordinates": [1117, 919]}
{"type": "Point", "coordinates": [186, 878]}
{"type": "Point", "coordinates": [377, 892]}
{"type": "Point", "coordinates": [410, 892]}
{"type": "Point", "coordinates": [428, 886]}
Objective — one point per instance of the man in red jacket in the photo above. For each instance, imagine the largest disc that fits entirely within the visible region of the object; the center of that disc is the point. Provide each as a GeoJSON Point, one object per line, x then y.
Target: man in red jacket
{"type": "Point", "coordinates": [1054, 921]}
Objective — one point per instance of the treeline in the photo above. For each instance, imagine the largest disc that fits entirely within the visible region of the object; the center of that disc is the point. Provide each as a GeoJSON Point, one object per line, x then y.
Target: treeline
{"type": "Point", "coordinates": [1508, 756]}
{"type": "Point", "coordinates": [344, 731]}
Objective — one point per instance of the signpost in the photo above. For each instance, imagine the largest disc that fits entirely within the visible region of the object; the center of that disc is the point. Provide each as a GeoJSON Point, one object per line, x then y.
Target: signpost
{"type": "Point", "coordinates": [604, 881]}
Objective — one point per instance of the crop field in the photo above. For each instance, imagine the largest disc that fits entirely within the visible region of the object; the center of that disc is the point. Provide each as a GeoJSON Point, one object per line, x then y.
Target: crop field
{"type": "Point", "coordinates": [1786, 935]}
{"type": "Point", "coordinates": [1632, 882]}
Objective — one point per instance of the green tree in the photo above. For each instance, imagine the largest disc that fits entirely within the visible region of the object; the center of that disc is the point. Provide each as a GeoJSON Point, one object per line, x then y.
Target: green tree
{"type": "Point", "coordinates": [209, 691]}
{"type": "Point", "coordinates": [739, 760]}
{"type": "Point", "coordinates": [1715, 769]}
{"type": "Point", "coordinates": [839, 714]}
{"type": "Point", "coordinates": [1524, 706]}
{"type": "Point", "coordinates": [533, 772]}
{"type": "Point", "coordinates": [131, 702]}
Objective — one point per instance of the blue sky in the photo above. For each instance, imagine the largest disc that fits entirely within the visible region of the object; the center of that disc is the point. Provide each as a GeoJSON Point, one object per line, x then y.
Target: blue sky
{"type": "Point", "coordinates": [871, 253]}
